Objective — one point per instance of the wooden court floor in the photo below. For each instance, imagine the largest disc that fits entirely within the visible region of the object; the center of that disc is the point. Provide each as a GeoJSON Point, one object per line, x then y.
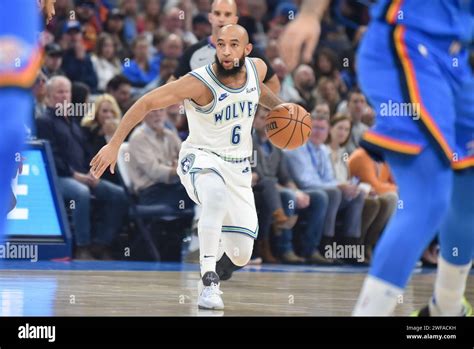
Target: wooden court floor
{"type": "Point", "coordinates": [173, 293]}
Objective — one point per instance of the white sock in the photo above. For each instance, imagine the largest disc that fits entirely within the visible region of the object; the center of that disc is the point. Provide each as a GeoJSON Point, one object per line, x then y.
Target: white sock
{"type": "Point", "coordinates": [449, 288]}
{"type": "Point", "coordinates": [212, 192]}
{"type": "Point", "coordinates": [377, 298]}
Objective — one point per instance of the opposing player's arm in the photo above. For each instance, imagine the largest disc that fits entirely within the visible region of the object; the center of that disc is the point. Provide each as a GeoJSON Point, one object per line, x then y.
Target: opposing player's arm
{"type": "Point", "coordinates": [268, 99]}
{"type": "Point", "coordinates": [162, 97]}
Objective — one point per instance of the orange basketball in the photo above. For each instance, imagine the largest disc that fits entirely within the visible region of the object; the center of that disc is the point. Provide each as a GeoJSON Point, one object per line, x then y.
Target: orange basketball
{"type": "Point", "coordinates": [288, 126]}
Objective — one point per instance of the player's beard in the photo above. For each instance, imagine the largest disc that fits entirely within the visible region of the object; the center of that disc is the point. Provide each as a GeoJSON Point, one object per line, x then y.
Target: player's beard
{"type": "Point", "coordinates": [221, 71]}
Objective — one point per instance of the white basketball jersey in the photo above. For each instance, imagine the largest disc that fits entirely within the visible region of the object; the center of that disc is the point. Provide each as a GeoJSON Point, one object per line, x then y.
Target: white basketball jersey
{"type": "Point", "coordinates": [224, 126]}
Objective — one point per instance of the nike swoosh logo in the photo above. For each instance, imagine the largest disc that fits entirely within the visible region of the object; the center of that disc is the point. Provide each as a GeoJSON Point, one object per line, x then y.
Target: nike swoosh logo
{"type": "Point", "coordinates": [223, 96]}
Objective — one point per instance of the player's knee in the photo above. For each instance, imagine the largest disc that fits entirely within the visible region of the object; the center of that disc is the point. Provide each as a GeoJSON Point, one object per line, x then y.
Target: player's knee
{"type": "Point", "coordinates": [241, 258]}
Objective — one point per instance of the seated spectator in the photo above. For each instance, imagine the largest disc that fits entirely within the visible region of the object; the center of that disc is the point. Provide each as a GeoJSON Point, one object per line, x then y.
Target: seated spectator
{"type": "Point", "coordinates": [153, 162]}
{"type": "Point", "coordinates": [283, 194]}
{"type": "Point", "coordinates": [304, 81]}
{"type": "Point", "coordinates": [383, 190]}
{"type": "Point", "coordinates": [356, 107]}
{"type": "Point", "coordinates": [149, 21]}
{"type": "Point", "coordinates": [76, 184]}
{"type": "Point", "coordinates": [105, 62]}
{"type": "Point", "coordinates": [287, 91]}
{"type": "Point", "coordinates": [114, 25]}
{"type": "Point", "coordinates": [327, 92]}
{"type": "Point", "coordinates": [141, 70]}
{"type": "Point", "coordinates": [312, 170]}
{"type": "Point", "coordinates": [91, 27]}
{"type": "Point", "coordinates": [99, 127]}
{"type": "Point", "coordinates": [121, 89]}
{"type": "Point", "coordinates": [326, 66]}
{"type": "Point", "coordinates": [338, 138]}
{"type": "Point", "coordinates": [53, 60]}
{"type": "Point", "coordinates": [179, 21]}
{"type": "Point", "coordinates": [39, 94]}
{"type": "Point", "coordinates": [77, 64]}
{"type": "Point", "coordinates": [201, 26]}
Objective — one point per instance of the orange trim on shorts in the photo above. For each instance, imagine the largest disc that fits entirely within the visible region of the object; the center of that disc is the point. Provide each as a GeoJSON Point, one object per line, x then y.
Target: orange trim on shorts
{"type": "Point", "coordinates": [391, 144]}
{"type": "Point", "coordinates": [391, 16]}
{"type": "Point", "coordinates": [463, 163]}
{"type": "Point", "coordinates": [414, 91]}
{"type": "Point", "coordinates": [25, 77]}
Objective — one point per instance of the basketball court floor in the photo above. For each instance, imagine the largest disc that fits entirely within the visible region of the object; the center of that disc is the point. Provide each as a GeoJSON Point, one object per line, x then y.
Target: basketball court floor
{"type": "Point", "coordinates": [169, 289]}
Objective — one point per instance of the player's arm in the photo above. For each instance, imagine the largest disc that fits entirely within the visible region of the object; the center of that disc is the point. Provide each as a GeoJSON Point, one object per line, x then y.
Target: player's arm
{"type": "Point", "coordinates": [268, 98]}
{"type": "Point", "coordinates": [274, 84]}
{"type": "Point", "coordinates": [162, 97]}
{"type": "Point", "coordinates": [304, 30]}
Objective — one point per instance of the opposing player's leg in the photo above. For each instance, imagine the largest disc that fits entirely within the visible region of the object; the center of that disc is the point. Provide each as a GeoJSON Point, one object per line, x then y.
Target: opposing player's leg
{"type": "Point", "coordinates": [411, 229]}
{"type": "Point", "coordinates": [19, 64]}
{"type": "Point", "coordinates": [417, 143]}
{"type": "Point", "coordinates": [457, 232]}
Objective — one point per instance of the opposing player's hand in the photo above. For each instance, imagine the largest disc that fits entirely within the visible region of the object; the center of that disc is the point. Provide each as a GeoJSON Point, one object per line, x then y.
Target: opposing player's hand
{"type": "Point", "coordinates": [106, 157]}
{"type": "Point", "coordinates": [299, 38]}
{"type": "Point", "coordinates": [48, 7]}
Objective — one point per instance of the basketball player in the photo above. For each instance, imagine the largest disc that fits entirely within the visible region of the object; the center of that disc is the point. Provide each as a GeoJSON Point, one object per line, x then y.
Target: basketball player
{"type": "Point", "coordinates": [415, 52]}
{"type": "Point", "coordinates": [20, 60]}
{"type": "Point", "coordinates": [220, 100]}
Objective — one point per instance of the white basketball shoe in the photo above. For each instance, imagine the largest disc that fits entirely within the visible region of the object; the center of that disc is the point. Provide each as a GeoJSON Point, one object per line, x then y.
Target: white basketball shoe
{"type": "Point", "coordinates": [209, 294]}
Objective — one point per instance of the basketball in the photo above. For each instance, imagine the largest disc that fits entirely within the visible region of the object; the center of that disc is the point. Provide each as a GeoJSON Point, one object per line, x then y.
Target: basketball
{"type": "Point", "coordinates": [288, 126]}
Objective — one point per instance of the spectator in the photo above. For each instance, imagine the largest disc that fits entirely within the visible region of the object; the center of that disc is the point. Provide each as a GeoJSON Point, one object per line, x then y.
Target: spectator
{"type": "Point", "coordinates": [356, 107]}
{"type": "Point", "coordinates": [141, 70]}
{"type": "Point", "coordinates": [322, 110]}
{"type": "Point", "coordinates": [149, 22]}
{"type": "Point", "coordinates": [153, 161]}
{"type": "Point", "coordinates": [287, 91]}
{"type": "Point", "coordinates": [76, 184]}
{"type": "Point", "coordinates": [39, 93]}
{"type": "Point", "coordinates": [121, 89]}
{"type": "Point", "coordinates": [71, 32]}
{"type": "Point", "coordinates": [52, 60]}
{"type": "Point", "coordinates": [326, 66]}
{"type": "Point", "coordinates": [77, 64]}
{"type": "Point", "coordinates": [130, 10]}
{"type": "Point", "coordinates": [338, 138]}
{"type": "Point", "coordinates": [99, 126]}
{"type": "Point", "coordinates": [304, 81]}
{"type": "Point", "coordinates": [384, 192]}
{"type": "Point", "coordinates": [327, 91]}
{"type": "Point", "coordinates": [271, 51]}
{"type": "Point", "coordinates": [114, 26]}
{"type": "Point", "coordinates": [201, 27]}
{"type": "Point", "coordinates": [105, 61]}
{"type": "Point", "coordinates": [311, 168]}
{"type": "Point", "coordinates": [91, 27]}
{"type": "Point", "coordinates": [175, 22]}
